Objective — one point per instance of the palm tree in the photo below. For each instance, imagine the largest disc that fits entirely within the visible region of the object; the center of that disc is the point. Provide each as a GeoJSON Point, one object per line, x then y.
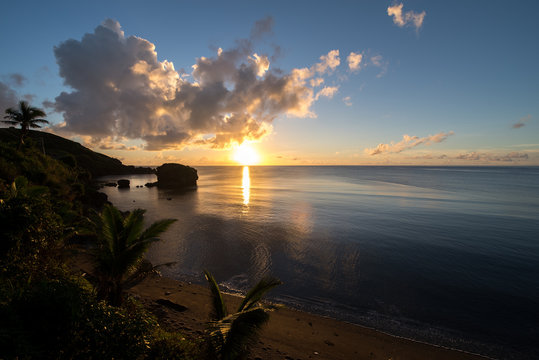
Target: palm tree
{"type": "Point", "coordinates": [231, 335]}
{"type": "Point", "coordinates": [121, 245]}
{"type": "Point", "coordinates": [26, 117]}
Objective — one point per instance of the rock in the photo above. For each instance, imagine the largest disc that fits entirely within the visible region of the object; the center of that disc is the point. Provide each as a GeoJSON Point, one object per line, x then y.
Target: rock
{"type": "Point", "coordinates": [151, 184]}
{"type": "Point", "coordinates": [171, 305]}
{"type": "Point", "coordinates": [172, 175]}
{"type": "Point", "coordinates": [123, 183]}
{"type": "Point", "coordinates": [111, 184]}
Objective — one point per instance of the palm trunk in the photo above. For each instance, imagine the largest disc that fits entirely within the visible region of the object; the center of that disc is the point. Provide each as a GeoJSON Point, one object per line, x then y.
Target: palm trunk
{"type": "Point", "coordinates": [24, 131]}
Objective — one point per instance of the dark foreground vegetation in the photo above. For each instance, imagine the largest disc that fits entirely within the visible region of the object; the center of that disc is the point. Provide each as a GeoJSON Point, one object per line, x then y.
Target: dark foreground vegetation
{"type": "Point", "coordinates": [49, 211]}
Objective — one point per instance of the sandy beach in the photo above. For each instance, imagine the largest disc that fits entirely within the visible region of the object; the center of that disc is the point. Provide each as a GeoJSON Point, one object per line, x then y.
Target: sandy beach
{"type": "Point", "coordinates": [290, 334]}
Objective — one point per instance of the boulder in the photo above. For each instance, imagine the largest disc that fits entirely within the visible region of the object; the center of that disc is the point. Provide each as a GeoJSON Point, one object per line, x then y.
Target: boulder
{"type": "Point", "coordinates": [176, 176]}
{"type": "Point", "coordinates": [123, 183]}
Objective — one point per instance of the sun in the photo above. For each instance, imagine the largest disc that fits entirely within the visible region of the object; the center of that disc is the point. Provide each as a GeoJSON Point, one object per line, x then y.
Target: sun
{"type": "Point", "coordinates": [245, 154]}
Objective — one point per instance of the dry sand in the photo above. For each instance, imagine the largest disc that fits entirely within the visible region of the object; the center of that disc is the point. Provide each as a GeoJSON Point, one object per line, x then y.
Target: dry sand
{"type": "Point", "coordinates": [289, 334]}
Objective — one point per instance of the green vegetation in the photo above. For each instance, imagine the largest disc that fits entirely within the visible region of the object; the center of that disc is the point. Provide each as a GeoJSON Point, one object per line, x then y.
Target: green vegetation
{"type": "Point", "coordinates": [121, 245]}
{"type": "Point", "coordinates": [50, 310]}
{"type": "Point", "coordinates": [231, 335]}
{"type": "Point", "coordinates": [72, 153]}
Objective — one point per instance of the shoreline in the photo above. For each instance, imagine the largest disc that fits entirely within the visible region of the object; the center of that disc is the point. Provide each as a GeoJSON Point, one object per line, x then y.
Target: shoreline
{"type": "Point", "coordinates": [290, 333]}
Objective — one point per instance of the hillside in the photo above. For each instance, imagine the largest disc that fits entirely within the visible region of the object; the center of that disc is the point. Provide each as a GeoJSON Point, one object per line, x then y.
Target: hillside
{"type": "Point", "coordinates": [60, 148]}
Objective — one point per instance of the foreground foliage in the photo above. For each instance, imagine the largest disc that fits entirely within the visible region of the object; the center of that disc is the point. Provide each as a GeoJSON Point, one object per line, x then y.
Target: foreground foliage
{"type": "Point", "coordinates": [121, 245]}
{"type": "Point", "coordinates": [232, 335]}
{"type": "Point", "coordinates": [47, 310]}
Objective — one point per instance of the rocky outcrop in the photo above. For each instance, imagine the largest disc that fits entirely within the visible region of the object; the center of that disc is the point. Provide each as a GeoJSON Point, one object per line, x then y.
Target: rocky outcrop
{"type": "Point", "coordinates": [123, 183]}
{"type": "Point", "coordinates": [176, 176]}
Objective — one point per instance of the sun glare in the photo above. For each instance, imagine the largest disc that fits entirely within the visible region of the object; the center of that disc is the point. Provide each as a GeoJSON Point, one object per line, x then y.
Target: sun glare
{"type": "Point", "coordinates": [245, 154]}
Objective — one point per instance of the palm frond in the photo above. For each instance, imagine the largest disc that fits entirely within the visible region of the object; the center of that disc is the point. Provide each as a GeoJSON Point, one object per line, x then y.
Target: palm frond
{"type": "Point", "coordinates": [157, 228]}
{"type": "Point", "coordinates": [218, 305]}
{"type": "Point", "coordinates": [233, 335]}
{"type": "Point", "coordinates": [120, 249]}
{"type": "Point", "coordinates": [258, 291]}
{"type": "Point", "coordinates": [133, 225]}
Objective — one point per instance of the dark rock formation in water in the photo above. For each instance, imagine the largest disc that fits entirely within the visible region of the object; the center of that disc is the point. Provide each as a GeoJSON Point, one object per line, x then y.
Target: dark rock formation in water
{"type": "Point", "coordinates": [176, 176]}
{"type": "Point", "coordinates": [123, 183]}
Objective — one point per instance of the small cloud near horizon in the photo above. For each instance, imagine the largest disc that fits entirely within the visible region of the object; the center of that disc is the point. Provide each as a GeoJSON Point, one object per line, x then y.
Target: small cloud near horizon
{"type": "Point", "coordinates": [522, 122]}
{"type": "Point", "coordinates": [408, 18]}
{"type": "Point", "coordinates": [476, 156]}
{"type": "Point", "coordinates": [408, 142]}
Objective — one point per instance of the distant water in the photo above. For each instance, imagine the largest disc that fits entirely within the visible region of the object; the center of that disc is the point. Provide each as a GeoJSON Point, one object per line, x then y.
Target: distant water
{"type": "Point", "coordinates": [446, 255]}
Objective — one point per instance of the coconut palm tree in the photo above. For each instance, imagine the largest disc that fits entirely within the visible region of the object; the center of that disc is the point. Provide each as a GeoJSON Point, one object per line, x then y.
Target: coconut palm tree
{"type": "Point", "coordinates": [26, 117]}
{"type": "Point", "coordinates": [121, 245]}
{"type": "Point", "coordinates": [231, 335]}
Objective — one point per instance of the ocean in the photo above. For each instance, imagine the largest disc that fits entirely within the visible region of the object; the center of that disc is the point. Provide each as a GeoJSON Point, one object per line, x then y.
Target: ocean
{"type": "Point", "coordinates": [444, 255]}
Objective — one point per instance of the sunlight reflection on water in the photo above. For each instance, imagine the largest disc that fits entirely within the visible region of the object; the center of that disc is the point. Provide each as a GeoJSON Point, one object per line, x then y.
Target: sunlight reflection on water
{"type": "Point", "coordinates": [246, 185]}
{"type": "Point", "coordinates": [365, 244]}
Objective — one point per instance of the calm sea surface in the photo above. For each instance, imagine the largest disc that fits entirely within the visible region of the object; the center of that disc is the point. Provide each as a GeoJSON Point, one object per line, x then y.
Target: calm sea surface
{"type": "Point", "coordinates": [446, 255]}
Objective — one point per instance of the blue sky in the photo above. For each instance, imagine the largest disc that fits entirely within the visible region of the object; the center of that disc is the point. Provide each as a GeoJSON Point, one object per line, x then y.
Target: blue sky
{"type": "Point", "coordinates": [462, 84]}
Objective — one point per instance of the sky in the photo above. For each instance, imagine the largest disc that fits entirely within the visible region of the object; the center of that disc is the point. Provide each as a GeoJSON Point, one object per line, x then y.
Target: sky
{"type": "Point", "coordinates": [295, 82]}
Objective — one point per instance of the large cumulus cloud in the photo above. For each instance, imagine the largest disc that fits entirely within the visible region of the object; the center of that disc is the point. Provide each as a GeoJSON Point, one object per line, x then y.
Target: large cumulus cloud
{"type": "Point", "coordinates": [121, 89]}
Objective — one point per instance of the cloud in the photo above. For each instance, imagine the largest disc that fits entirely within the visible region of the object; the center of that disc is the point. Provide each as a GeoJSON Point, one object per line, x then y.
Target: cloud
{"type": "Point", "coordinates": [327, 91]}
{"type": "Point", "coordinates": [379, 62]}
{"type": "Point", "coordinates": [354, 61]}
{"type": "Point", "coordinates": [347, 100]}
{"type": "Point", "coordinates": [316, 82]}
{"type": "Point", "coordinates": [17, 79]}
{"type": "Point", "coordinates": [8, 97]}
{"type": "Point", "coordinates": [329, 61]}
{"type": "Point", "coordinates": [475, 156]}
{"type": "Point", "coordinates": [410, 18]}
{"type": "Point", "coordinates": [262, 27]}
{"type": "Point", "coordinates": [522, 122]}
{"type": "Point", "coordinates": [408, 142]}
{"type": "Point", "coordinates": [120, 88]}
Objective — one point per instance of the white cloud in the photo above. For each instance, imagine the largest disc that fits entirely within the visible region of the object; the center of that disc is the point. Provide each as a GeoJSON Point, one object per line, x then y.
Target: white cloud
{"type": "Point", "coordinates": [327, 91]}
{"type": "Point", "coordinates": [316, 82]}
{"type": "Point", "coordinates": [120, 88]}
{"type": "Point", "coordinates": [354, 61]}
{"type": "Point", "coordinates": [408, 142]}
{"type": "Point", "coordinates": [347, 101]}
{"type": "Point", "coordinates": [407, 18]}
{"type": "Point", "coordinates": [261, 63]}
{"type": "Point", "coordinates": [329, 61]}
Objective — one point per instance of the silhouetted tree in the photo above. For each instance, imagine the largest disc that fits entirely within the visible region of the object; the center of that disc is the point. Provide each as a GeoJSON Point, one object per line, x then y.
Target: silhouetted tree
{"type": "Point", "coordinates": [26, 117]}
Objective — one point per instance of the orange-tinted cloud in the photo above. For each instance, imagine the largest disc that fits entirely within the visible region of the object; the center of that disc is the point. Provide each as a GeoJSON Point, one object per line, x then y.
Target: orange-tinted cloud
{"type": "Point", "coordinates": [402, 19]}
{"type": "Point", "coordinates": [408, 142]}
{"type": "Point", "coordinates": [121, 89]}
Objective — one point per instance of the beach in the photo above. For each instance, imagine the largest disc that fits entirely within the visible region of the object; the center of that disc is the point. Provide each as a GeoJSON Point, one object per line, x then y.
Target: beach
{"type": "Point", "coordinates": [289, 334]}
